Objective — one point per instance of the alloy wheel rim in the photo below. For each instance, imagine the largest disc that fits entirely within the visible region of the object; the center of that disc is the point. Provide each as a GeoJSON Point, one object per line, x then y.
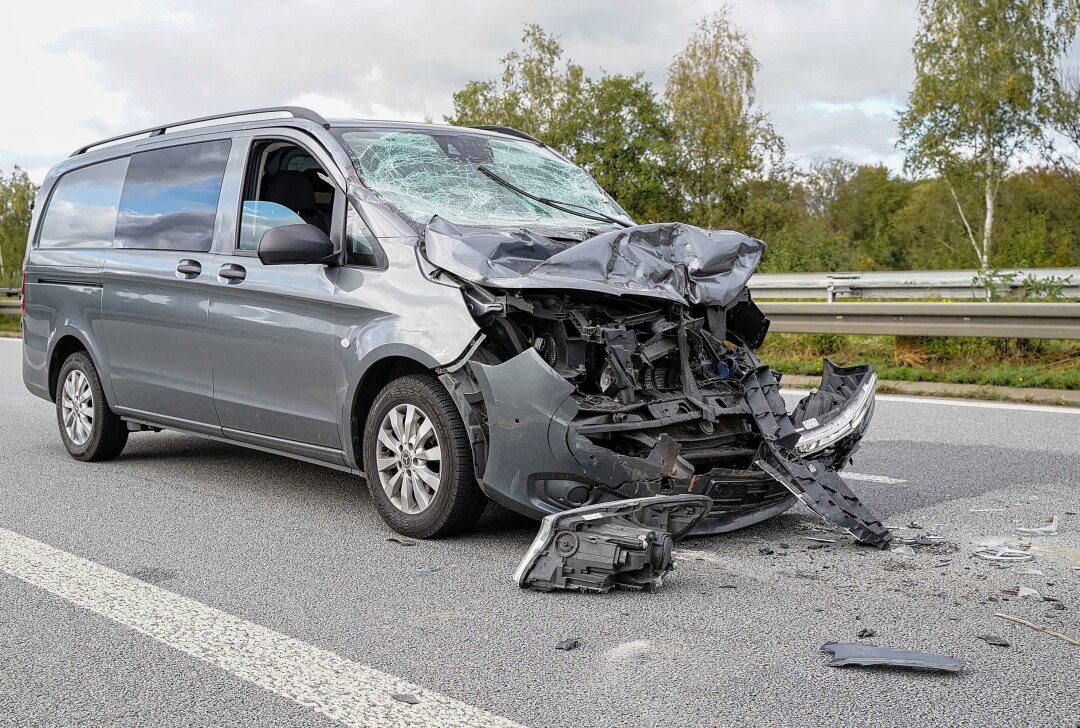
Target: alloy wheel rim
{"type": "Point", "coordinates": [408, 456]}
{"type": "Point", "coordinates": [77, 407]}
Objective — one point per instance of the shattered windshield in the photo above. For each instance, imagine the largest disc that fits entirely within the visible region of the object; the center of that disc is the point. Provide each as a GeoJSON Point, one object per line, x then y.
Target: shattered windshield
{"type": "Point", "coordinates": [426, 173]}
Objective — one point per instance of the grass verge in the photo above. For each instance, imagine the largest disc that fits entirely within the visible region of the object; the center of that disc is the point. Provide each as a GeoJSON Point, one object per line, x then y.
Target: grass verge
{"type": "Point", "coordinates": [997, 362]}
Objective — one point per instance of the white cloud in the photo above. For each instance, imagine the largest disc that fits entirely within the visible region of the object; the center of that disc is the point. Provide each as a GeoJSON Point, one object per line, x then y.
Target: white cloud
{"type": "Point", "coordinates": [832, 71]}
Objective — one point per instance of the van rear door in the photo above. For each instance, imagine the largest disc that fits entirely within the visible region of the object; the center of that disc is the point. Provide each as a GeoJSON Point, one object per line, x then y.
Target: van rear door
{"type": "Point", "coordinates": [157, 281]}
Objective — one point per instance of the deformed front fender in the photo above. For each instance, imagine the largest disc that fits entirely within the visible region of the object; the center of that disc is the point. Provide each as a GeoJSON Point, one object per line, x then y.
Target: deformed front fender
{"type": "Point", "coordinates": [536, 463]}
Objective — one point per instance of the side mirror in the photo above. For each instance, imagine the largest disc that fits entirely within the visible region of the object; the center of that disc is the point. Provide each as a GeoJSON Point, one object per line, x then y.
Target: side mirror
{"type": "Point", "coordinates": [295, 244]}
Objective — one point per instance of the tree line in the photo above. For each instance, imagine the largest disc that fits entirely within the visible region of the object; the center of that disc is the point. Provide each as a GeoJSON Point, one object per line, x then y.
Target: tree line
{"type": "Point", "coordinates": [988, 181]}
{"type": "Point", "coordinates": [990, 136]}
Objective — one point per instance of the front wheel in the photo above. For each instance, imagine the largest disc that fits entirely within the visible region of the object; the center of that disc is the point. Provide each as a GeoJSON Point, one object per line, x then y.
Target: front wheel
{"type": "Point", "coordinates": [90, 430]}
{"type": "Point", "coordinates": [418, 460]}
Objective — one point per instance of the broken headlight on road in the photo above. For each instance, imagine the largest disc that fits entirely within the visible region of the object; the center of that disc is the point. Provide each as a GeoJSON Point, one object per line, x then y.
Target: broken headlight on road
{"type": "Point", "coordinates": [597, 548]}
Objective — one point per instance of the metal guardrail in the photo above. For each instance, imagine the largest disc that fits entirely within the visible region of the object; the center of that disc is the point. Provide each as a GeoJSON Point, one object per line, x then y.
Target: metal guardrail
{"type": "Point", "coordinates": [994, 320]}
{"type": "Point", "coordinates": [905, 284]}
{"type": "Point", "coordinates": [10, 306]}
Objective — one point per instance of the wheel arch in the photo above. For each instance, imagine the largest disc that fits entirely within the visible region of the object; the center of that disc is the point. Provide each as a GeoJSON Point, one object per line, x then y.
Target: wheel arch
{"type": "Point", "coordinates": [378, 372]}
{"type": "Point", "coordinates": [67, 344]}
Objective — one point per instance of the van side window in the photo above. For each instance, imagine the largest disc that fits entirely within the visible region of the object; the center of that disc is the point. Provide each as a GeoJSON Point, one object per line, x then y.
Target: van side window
{"type": "Point", "coordinates": [170, 197]}
{"type": "Point", "coordinates": [82, 207]}
{"type": "Point", "coordinates": [284, 185]}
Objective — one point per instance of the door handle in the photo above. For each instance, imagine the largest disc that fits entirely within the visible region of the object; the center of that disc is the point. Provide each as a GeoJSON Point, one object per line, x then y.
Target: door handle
{"type": "Point", "coordinates": [232, 273]}
{"type": "Point", "coordinates": [188, 268]}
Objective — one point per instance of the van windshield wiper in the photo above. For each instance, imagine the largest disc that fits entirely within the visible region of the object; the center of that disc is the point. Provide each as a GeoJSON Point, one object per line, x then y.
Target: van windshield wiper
{"type": "Point", "coordinates": [589, 214]}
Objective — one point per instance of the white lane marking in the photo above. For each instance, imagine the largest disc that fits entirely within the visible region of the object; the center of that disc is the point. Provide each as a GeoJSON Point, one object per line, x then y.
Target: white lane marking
{"type": "Point", "coordinates": [982, 404]}
{"type": "Point", "coordinates": [871, 478]}
{"type": "Point", "coordinates": [976, 403]}
{"type": "Point", "coordinates": [346, 691]}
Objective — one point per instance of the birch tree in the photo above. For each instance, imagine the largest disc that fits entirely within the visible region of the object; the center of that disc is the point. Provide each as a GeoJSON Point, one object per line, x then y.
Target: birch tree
{"type": "Point", "coordinates": [986, 90]}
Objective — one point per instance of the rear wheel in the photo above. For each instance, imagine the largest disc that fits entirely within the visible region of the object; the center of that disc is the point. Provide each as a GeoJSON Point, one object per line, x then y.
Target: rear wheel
{"type": "Point", "coordinates": [418, 460]}
{"type": "Point", "coordinates": [90, 430]}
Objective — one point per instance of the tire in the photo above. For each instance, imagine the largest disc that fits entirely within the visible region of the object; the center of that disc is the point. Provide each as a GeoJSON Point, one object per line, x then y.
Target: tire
{"type": "Point", "coordinates": [90, 430]}
{"type": "Point", "coordinates": [417, 494]}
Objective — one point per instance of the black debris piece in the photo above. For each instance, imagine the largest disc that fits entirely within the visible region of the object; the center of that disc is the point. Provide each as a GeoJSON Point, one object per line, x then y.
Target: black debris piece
{"type": "Point", "coordinates": [993, 639]}
{"type": "Point", "coordinates": [596, 548]}
{"type": "Point", "coordinates": [765, 551]}
{"type": "Point", "coordinates": [849, 653]}
{"type": "Point", "coordinates": [402, 540]}
{"type": "Point", "coordinates": [866, 632]}
{"type": "Point", "coordinates": [822, 490]}
{"type": "Point", "coordinates": [569, 644]}
{"type": "Point", "coordinates": [405, 698]}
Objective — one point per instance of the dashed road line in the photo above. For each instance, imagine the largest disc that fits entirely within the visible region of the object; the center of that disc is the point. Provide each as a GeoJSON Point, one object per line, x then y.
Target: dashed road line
{"type": "Point", "coordinates": [346, 691]}
{"type": "Point", "coordinates": [871, 478]}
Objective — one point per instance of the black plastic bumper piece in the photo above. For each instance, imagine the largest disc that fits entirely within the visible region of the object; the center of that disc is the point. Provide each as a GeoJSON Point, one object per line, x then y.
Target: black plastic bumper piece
{"type": "Point", "coordinates": [821, 489]}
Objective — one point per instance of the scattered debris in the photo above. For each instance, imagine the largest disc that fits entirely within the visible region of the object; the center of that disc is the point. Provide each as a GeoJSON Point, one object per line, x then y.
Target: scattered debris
{"type": "Point", "coordinates": [406, 698]}
{"type": "Point", "coordinates": [987, 510]}
{"type": "Point", "coordinates": [402, 540]}
{"type": "Point", "coordinates": [569, 644]}
{"type": "Point", "coordinates": [1031, 572]}
{"type": "Point", "coordinates": [784, 545]}
{"type": "Point", "coordinates": [431, 570]}
{"type": "Point", "coordinates": [1001, 553]}
{"type": "Point", "coordinates": [1040, 627]}
{"type": "Point", "coordinates": [765, 551]}
{"type": "Point", "coordinates": [943, 562]}
{"type": "Point", "coordinates": [915, 526]}
{"type": "Point", "coordinates": [922, 540]}
{"type": "Point", "coordinates": [866, 632]}
{"type": "Point", "coordinates": [1021, 591]}
{"type": "Point", "coordinates": [903, 551]}
{"type": "Point", "coordinates": [596, 548]}
{"type": "Point", "coordinates": [818, 546]}
{"type": "Point", "coordinates": [848, 653]}
{"type": "Point", "coordinates": [1050, 529]}
{"type": "Point", "coordinates": [822, 540]}
{"type": "Point", "coordinates": [993, 639]}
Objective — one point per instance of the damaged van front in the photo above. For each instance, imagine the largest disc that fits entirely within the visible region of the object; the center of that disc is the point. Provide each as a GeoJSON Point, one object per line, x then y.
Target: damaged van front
{"type": "Point", "coordinates": [613, 360]}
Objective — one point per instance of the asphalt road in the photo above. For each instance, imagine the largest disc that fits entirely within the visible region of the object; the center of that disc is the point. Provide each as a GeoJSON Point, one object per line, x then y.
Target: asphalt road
{"type": "Point", "coordinates": [246, 550]}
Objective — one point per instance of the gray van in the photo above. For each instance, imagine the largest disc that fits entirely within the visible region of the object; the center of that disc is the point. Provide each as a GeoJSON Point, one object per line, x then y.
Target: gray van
{"type": "Point", "coordinates": [456, 314]}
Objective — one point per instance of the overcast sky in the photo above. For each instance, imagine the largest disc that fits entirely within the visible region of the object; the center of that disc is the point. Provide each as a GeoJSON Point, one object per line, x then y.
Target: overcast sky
{"type": "Point", "coordinates": [833, 73]}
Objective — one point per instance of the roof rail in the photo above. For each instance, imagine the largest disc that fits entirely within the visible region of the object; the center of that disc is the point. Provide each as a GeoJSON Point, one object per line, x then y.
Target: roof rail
{"type": "Point", "coordinates": [298, 112]}
{"type": "Point", "coordinates": [509, 131]}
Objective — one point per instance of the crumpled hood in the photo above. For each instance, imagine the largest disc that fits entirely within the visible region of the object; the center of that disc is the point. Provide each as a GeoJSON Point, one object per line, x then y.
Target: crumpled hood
{"type": "Point", "coordinates": [673, 261]}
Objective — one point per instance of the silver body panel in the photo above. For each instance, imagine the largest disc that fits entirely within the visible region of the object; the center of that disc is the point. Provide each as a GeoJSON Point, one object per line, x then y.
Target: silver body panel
{"type": "Point", "coordinates": [259, 362]}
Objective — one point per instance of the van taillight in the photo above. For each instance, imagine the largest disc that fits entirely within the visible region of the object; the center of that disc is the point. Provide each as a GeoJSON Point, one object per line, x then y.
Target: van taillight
{"type": "Point", "coordinates": [22, 293]}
